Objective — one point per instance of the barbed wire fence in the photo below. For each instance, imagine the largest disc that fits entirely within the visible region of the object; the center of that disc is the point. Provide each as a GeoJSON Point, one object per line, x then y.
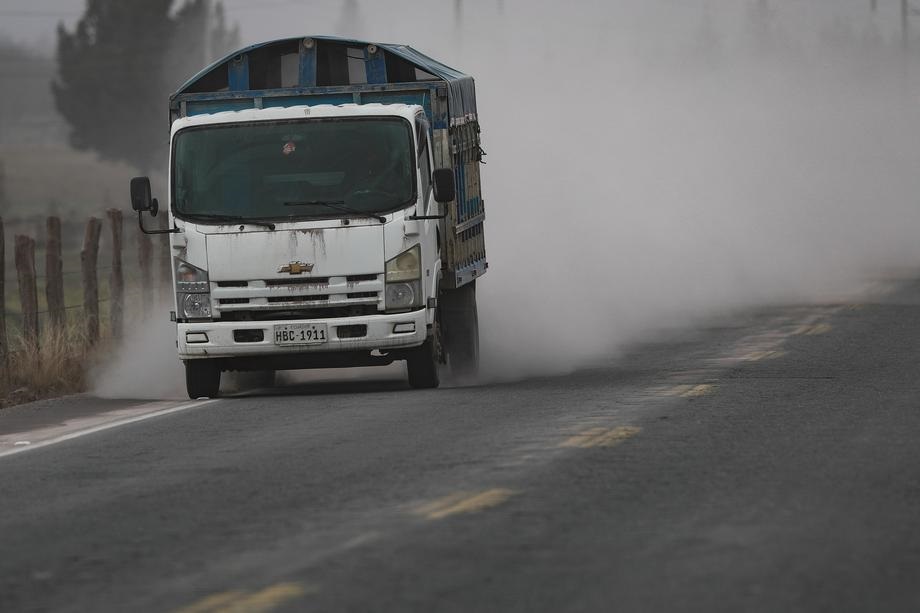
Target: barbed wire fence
{"type": "Point", "coordinates": [86, 283]}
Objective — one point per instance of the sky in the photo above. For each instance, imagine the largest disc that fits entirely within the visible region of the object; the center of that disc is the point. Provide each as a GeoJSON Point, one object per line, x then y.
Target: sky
{"type": "Point", "coordinates": [33, 22]}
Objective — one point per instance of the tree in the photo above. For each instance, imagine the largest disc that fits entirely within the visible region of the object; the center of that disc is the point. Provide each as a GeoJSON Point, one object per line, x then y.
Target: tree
{"type": "Point", "coordinates": [118, 66]}
{"type": "Point", "coordinates": [28, 116]}
{"type": "Point", "coordinates": [760, 22]}
{"type": "Point", "coordinates": [4, 206]}
{"type": "Point", "coordinates": [707, 47]}
{"type": "Point", "coordinates": [201, 37]}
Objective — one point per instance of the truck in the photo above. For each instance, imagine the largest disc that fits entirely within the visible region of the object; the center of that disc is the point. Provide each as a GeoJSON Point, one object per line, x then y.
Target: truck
{"type": "Point", "coordinates": [324, 210]}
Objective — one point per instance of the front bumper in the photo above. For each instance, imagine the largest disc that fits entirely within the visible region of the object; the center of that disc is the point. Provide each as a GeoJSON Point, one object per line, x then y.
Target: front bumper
{"type": "Point", "coordinates": [220, 339]}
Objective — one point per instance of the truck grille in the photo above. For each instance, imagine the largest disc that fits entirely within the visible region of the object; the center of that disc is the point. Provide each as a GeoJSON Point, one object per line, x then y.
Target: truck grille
{"type": "Point", "coordinates": [301, 298]}
{"type": "Point", "coordinates": [287, 299]}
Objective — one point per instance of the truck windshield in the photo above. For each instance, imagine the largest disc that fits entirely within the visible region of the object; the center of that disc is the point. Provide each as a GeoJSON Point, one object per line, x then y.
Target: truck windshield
{"type": "Point", "coordinates": [303, 168]}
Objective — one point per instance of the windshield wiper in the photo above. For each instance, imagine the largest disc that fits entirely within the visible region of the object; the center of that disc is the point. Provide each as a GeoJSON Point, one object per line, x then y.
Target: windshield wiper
{"type": "Point", "coordinates": [338, 205]}
{"type": "Point", "coordinates": [233, 218]}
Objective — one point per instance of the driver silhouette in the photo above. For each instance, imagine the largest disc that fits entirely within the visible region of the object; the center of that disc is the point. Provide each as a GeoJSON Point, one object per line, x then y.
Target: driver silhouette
{"type": "Point", "coordinates": [373, 171]}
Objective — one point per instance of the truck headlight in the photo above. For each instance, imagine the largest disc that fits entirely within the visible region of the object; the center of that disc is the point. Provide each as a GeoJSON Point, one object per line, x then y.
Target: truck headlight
{"type": "Point", "coordinates": [404, 280]}
{"type": "Point", "coordinates": [403, 295]}
{"type": "Point", "coordinates": [193, 292]}
{"type": "Point", "coordinates": [196, 306]}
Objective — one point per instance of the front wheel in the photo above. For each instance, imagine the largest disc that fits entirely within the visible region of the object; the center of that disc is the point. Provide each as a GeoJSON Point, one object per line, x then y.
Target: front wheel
{"type": "Point", "coordinates": [424, 361]}
{"type": "Point", "coordinates": [202, 379]}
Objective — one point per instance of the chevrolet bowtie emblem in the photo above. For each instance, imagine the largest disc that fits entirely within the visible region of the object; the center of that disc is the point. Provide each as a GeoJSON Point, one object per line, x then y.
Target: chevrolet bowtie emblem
{"type": "Point", "coordinates": [296, 268]}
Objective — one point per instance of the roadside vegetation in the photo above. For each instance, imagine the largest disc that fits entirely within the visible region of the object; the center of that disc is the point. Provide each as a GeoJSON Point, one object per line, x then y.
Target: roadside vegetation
{"type": "Point", "coordinates": [59, 362]}
{"type": "Point", "coordinates": [55, 366]}
{"type": "Point", "coordinates": [57, 159]}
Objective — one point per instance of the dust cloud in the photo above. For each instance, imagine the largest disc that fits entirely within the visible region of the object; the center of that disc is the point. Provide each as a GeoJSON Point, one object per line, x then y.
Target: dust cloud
{"type": "Point", "coordinates": [144, 365]}
{"type": "Point", "coordinates": [651, 163]}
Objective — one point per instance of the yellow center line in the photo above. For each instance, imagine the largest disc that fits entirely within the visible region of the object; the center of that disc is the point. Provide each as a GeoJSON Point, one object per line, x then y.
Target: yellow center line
{"type": "Point", "coordinates": [756, 356]}
{"type": "Point", "coordinates": [687, 391]}
{"type": "Point", "coordinates": [213, 602]}
{"type": "Point", "coordinates": [601, 437]}
{"type": "Point", "coordinates": [677, 390]}
{"type": "Point", "coordinates": [813, 329]}
{"type": "Point", "coordinates": [237, 601]}
{"type": "Point", "coordinates": [819, 329]}
{"type": "Point", "coordinates": [698, 390]}
{"type": "Point", "coordinates": [464, 502]}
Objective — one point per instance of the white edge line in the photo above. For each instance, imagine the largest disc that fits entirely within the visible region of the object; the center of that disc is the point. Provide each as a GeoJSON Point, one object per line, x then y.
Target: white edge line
{"type": "Point", "coordinates": [107, 426]}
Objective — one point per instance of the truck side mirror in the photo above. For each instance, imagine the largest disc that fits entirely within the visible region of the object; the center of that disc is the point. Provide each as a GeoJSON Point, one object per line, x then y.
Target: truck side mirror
{"type": "Point", "coordinates": [141, 199]}
{"type": "Point", "coordinates": [445, 190]}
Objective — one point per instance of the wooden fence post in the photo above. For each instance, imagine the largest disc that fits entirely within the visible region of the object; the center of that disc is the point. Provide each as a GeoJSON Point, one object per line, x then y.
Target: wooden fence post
{"type": "Point", "coordinates": [54, 273]}
{"type": "Point", "coordinates": [4, 350]}
{"type": "Point", "coordinates": [117, 281]}
{"type": "Point", "coordinates": [88, 260]}
{"type": "Point", "coordinates": [28, 289]}
{"type": "Point", "coordinates": [144, 251]}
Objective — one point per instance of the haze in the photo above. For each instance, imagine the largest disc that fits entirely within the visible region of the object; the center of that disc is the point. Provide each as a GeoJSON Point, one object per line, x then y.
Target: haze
{"type": "Point", "coordinates": [652, 163]}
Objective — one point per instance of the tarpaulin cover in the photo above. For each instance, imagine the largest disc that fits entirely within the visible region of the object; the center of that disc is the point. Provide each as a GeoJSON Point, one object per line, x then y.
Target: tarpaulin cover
{"type": "Point", "coordinates": [460, 87]}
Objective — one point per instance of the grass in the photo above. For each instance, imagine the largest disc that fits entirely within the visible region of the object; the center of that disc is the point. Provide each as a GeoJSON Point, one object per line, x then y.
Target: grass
{"type": "Point", "coordinates": [57, 365]}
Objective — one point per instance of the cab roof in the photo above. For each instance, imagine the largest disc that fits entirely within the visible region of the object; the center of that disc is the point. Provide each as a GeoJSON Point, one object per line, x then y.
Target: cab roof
{"type": "Point", "coordinates": [406, 111]}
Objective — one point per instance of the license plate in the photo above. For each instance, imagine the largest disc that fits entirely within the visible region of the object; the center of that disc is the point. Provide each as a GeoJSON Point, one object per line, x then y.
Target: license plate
{"type": "Point", "coordinates": [300, 334]}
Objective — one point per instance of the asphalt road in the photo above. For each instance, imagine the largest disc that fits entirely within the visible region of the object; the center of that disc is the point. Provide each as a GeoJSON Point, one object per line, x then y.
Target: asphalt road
{"type": "Point", "coordinates": [766, 462]}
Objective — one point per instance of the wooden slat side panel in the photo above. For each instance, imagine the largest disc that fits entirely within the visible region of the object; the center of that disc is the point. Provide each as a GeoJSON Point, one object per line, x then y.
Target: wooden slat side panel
{"type": "Point", "coordinates": [465, 239]}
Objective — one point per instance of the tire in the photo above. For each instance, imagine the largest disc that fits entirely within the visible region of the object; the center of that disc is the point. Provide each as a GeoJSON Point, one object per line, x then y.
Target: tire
{"type": "Point", "coordinates": [202, 379]}
{"type": "Point", "coordinates": [461, 331]}
{"type": "Point", "coordinates": [423, 363]}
